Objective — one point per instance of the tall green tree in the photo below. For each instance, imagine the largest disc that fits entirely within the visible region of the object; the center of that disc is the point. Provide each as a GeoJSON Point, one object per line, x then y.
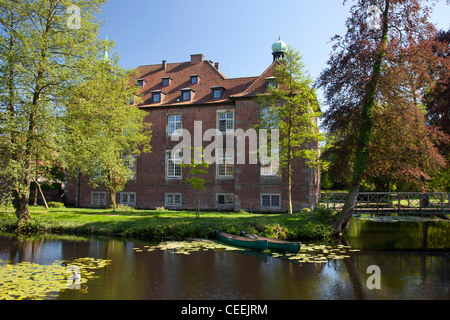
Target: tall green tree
{"type": "Point", "coordinates": [42, 54]}
{"type": "Point", "coordinates": [105, 133]}
{"type": "Point", "coordinates": [291, 106]}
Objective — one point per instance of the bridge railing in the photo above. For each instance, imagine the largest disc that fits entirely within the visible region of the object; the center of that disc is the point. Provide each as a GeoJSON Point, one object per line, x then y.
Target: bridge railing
{"type": "Point", "coordinates": [388, 202]}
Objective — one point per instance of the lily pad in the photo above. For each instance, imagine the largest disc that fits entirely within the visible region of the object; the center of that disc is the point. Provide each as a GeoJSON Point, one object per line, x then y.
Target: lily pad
{"type": "Point", "coordinates": [28, 280]}
{"type": "Point", "coordinates": [312, 253]}
{"type": "Point", "coordinates": [186, 247]}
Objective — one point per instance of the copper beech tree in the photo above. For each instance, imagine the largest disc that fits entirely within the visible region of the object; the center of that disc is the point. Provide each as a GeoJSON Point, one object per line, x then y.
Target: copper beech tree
{"type": "Point", "coordinates": [374, 85]}
{"type": "Point", "coordinates": [438, 107]}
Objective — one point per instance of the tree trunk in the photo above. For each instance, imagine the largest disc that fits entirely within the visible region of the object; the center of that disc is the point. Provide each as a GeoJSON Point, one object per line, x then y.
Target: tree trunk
{"type": "Point", "coordinates": [198, 208]}
{"type": "Point", "coordinates": [20, 202]}
{"type": "Point", "coordinates": [113, 200]}
{"type": "Point", "coordinates": [365, 132]}
{"type": "Point", "coordinates": [77, 197]}
{"type": "Point", "coordinates": [42, 194]}
{"type": "Point", "coordinates": [20, 197]}
{"type": "Point", "coordinates": [35, 195]}
{"type": "Point", "coordinates": [342, 222]}
{"type": "Point", "coordinates": [289, 165]}
{"type": "Point", "coordinates": [289, 189]}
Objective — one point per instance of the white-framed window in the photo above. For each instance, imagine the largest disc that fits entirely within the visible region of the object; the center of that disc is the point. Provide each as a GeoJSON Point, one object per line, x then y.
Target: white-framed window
{"type": "Point", "coordinates": [225, 163]}
{"type": "Point", "coordinates": [225, 199]}
{"type": "Point", "coordinates": [130, 162]}
{"type": "Point", "coordinates": [270, 200]}
{"type": "Point", "coordinates": [270, 169]}
{"type": "Point", "coordinates": [174, 124]}
{"type": "Point", "coordinates": [98, 198]}
{"type": "Point", "coordinates": [128, 198]}
{"type": "Point", "coordinates": [225, 121]}
{"type": "Point", "coordinates": [173, 165]}
{"type": "Point", "coordinates": [173, 199]}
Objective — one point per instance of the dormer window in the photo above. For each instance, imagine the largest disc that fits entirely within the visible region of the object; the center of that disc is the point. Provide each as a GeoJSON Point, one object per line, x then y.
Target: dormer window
{"type": "Point", "coordinates": [217, 92]}
{"type": "Point", "coordinates": [194, 79]}
{"type": "Point", "coordinates": [186, 94]}
{"type": "Point", "coordinates": [271, 83]}
{"type": "Point", "coordinates": [141, 83]}
{"type": "Point", "coordinates": [166, 81]}
{"type": "Point", "coordinates": [157, 96]}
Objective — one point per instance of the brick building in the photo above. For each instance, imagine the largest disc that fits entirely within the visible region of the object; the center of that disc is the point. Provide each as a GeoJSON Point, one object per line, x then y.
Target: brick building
{"type": "Point", "coordinates": [177, 94]}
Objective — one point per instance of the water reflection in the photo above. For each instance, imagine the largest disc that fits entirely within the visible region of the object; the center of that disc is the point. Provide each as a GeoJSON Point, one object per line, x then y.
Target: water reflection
{"type": "Point", "coordinates": [414, 264]}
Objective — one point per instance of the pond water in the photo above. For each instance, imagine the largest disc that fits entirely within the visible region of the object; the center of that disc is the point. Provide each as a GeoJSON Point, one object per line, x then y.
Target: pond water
{"type": "Point", "coordinates": [375, 260]}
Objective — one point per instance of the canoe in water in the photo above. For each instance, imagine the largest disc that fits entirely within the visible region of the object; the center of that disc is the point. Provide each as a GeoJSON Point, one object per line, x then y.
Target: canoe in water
{"type": "Point", "coordinates": [275, 243]}
{"type": "Point", "coordinates": [241, 241]}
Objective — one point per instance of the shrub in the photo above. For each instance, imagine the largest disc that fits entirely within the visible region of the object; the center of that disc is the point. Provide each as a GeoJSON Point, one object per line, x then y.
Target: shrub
{"type": "Point", "coordinates": [326, 214]}
{"type": "Point", "coordinates": [124, 208]}
{"type": "Point", "coordinates": [30, 226]}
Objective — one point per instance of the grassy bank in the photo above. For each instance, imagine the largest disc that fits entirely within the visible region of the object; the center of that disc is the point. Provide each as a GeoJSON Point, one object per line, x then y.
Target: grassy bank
{"type": "Point", "coordinates": [167, 224]}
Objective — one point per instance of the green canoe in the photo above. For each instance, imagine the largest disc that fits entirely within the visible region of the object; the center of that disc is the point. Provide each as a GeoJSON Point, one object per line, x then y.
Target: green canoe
{"type": "Point", "coordinates": [275, 243]}
{"type": "Point", "coordinates": [241, 241]}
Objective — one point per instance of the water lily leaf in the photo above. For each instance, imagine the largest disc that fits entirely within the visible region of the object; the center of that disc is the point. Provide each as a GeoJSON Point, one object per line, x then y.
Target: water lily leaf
{"type": "Point", "coordinates": [28, 280]}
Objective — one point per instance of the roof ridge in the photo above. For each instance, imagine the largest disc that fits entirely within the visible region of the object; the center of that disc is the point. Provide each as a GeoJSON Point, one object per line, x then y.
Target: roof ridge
{"type": "Point", "coordinates": [239, 78]}
{"type": "Point", "coordinates": [159, 64]}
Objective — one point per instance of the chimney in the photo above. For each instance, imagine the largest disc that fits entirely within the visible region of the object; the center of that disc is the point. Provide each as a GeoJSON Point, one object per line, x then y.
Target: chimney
{"type": "Point", "coordinates": [216, 65]}
{"type": "Point", "coordinates": [196, 58]}
{"type": "Point", "coordinates": [164, 64]}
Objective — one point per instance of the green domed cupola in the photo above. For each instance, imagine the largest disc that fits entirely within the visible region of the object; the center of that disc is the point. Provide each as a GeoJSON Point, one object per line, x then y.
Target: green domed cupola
{"type": "Point", "coordinates": [279, 48]}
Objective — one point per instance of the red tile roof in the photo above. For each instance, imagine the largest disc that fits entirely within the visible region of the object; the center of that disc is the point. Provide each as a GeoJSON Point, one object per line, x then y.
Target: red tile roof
{"type": "Point", "coordinates": [209, 77]}
{"type": "Point", "coordinates": [259, 85]}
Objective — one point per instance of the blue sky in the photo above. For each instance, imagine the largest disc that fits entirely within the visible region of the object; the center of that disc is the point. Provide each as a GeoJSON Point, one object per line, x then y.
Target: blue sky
{"type": "Point", "coordinates": [236, 33]}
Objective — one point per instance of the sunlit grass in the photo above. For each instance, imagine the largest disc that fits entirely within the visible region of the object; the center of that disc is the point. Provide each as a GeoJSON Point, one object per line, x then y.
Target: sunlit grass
{"type": "Point", "coordinates": [167, 223]}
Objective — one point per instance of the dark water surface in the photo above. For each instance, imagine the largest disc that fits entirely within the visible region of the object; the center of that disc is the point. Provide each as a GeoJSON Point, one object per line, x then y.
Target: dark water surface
{"type": "Point", "coordinates": [413, 260]}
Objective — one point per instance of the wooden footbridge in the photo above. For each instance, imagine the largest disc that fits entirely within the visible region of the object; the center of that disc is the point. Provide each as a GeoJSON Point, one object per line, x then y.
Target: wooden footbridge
{"type": "Point", "coordinates": [392, 202]}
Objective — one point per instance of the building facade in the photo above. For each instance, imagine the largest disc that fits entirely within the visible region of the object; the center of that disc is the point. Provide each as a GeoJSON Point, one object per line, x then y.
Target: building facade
{"type": "Point", "coordinates": [178, 96]}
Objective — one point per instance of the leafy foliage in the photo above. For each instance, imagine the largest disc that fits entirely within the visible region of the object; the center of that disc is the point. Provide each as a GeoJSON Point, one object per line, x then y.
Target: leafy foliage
{"type": "Point", "coordinates": [41, 59]}
{"type": "Point", "coordinates": [402, 146]}
{"type": "Point", "coordinates": [292, 107]}
{"type": "Point", "coordinates": [374, 84]}
{"type": "Point", "coordinates": [104, 137]}
{"type": "Point", "coordinates": [197, 170]}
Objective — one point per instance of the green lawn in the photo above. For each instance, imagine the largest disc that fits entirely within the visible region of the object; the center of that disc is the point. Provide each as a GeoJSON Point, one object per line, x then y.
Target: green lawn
{"type": "Point", "coordinates": [168, 224]}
